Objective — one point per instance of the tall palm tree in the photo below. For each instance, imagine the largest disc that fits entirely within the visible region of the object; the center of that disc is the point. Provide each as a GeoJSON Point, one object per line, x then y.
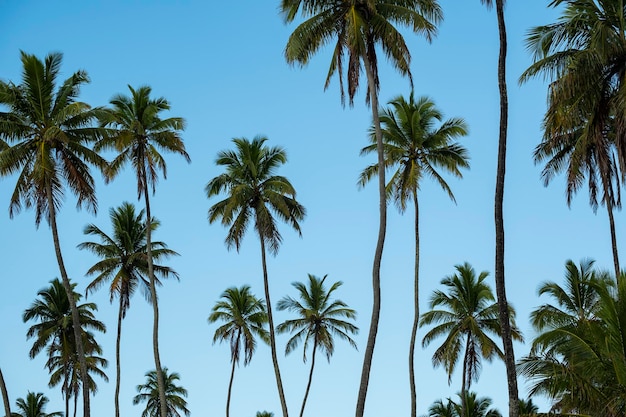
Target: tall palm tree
{"type": "Point", "coordinates": [415, 147]}
{"type": "Point", "coordinates": [255, 192]}
{"type": "Point", "coordinates": [174, 396]}
{"type": "Point", "coordinates": [138, 133]}
{"type": "Point", "coordinates": [358, 27]}
{"type": "Point", "coordinates": [244, 317]}
{"type": "Point", "coordinates": [319, 319]}
{"type": "Point", "coordinates": [34, 406]}
{"type": "Point", "coordinates": [124, 264]}
{"type": "Point", "coordinates": [54, 331]}
{"type": "Point", "coordinates": [5, 396]}
{"type": "Point", "coordinates": [50, 132]}
{"type": "Point", "coordinates": [466, 315]}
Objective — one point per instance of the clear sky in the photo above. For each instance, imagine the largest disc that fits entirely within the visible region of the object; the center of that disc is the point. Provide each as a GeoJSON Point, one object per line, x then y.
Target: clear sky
{"type": "Point", "coordinates": [221, 66]}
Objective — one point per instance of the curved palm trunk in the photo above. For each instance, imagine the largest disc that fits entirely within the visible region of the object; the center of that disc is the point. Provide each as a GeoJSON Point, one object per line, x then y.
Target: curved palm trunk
{"type": "Point", "coordinates": [78, 330]}
{"type": "Point", "coordinates": [155, 304]}
{"type": "Point", "coordinates": [308, 385]}
{"type": "Point", "coordinates": [378, 254]}
{"type": "Point", "coordinates": [230, 383]}
{"type": "Point", "coordinates": [270, 320]}
{"type": "Point", "coordinates": [5, 396]}
{"type": "Point", "coordinates": [417, 311]}
{"type": "Point", "coordinates": [503, 306]}
{"type": "Point", "coordinates": [117, 357]}
{"type": "Point", "coordinates": [464, 382]}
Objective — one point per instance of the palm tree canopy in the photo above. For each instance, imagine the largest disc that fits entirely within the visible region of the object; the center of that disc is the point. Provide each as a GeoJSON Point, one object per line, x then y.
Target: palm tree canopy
{"type": "Point", "coordinates": [50, 133]}
{"type": "Point", "coordinates": [254, 191]}
{"type": "Point", "coordinates": [124, 254]}
{"type": "Point", "coordinates": [469, 316]}
{"type": "Point", "coordinates": [34, 406]}
{"type": "Point", "coordinates": [416, 147]}
{"type": "Point", "coordinates": [138, 133]}
{"type": "Point", "coordinates": [320, 318]}
{"type": "Point", "coordinates": [476, 407]}
{"type": "Point", "coordinates": [356, 27]}
{"type": "Point", "coordinates": [174, 395]}
{"type": "Point", "coordinates": [244, 317]}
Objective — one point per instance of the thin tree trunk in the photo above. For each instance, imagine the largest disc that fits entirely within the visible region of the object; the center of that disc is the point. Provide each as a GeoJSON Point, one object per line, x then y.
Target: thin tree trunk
{"type": "Point", "coordinates": [5, 396]}
{"type": "Point", "coordinates": [503, 306]}
{"type": "Point", "coordinates": [155, 303]}
{"type": "Point", "coordinates": [417, 311]}
{"type": "Point", "coordinates": [76, 402]}
{"type": "Point", "coordinates": [118, 365]}
{"type": "Point", "coordinates": [609, 209]}
{"type": "Point", "coordinates": [464, 382]}
{"type": "Point", "coordinates": [232, 376]}
{"type": "Point", "coordinates": [67, 395]}
{"type": "Point", "coordinates": [378, 254]}
{"type": "Point", "coordinates": [270, 320]}
{"type": "Point", "coordinates": [78, 330]}
{"type": "Point", "coordinates": [308, 385]}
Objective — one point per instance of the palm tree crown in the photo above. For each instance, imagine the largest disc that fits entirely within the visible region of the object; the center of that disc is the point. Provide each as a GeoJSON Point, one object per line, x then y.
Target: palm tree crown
{"type": "Point", "coordinates": [34, 406]}
{"type": "Point", "coordinates": [174, 395]}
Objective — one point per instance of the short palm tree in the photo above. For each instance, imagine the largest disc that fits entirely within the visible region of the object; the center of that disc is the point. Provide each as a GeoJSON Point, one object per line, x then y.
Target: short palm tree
{"type": "Point", "coordinates": [320, 318]}
{"type": "Point", "coordinates": [466, 315]}
{"type": "Point", "coordinates": [124, 263]}
{"type": "Point", "coordinates": [50, 133]}
{"type": "Point", "coordinates": [34, 406]}
{"type": "Point", "coordinates": [138, 133]}
{"type": "Point", "coordinates": [244, 317]}
{"type": "Point", "coordinates": [54, 331]}
{"type": "Point", "coordinates": [357, 28]}
{"type": "Point", "coordinates": [476, 407]}
{"type": "Point", "coordinates": [174, 396]}
{"type": "Point", "coordinates": [415, 147]}
{"type": "Point", "coordinates": [255, 192]}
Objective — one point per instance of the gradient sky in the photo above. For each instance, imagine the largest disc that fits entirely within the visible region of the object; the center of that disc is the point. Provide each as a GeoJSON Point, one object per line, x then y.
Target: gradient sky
{"type": "Point", "coordinates": [221, 66]}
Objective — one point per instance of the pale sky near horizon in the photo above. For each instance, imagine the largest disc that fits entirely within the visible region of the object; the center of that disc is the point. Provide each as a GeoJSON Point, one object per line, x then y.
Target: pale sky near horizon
{"type": "Point", "coordinates": [221, 66]}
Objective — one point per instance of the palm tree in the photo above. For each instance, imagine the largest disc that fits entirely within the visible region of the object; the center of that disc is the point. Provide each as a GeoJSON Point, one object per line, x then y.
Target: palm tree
{"type": "Point", "coordinates": [50, 131]}
{"type": "Point", "coordinates": [54, 331]}
{"type": "Point", "coordinates": [527, 408]}
{"type": "Point", "coordinates": [476, 407]}
{"type": "Point", "coordinates": [34, 406]}
{"type": "Point", "coordinates": [358, 27]}
{"type": "Point", "coordinates": [319, 319]}
{"type": "Point", "coordinates": [5, 396]}
{"type": "Point", "coordinates": [255, 192]}
{"type": "Point", "coordinates": [174, 396]}
{"type": "Point", "coordinates": [264, 414]}
{"type": "Point", "coordinates": [124, 264]}
{"type": "Point", "coordinates": [414, 147]}
{"type": "Point", "coordinates": [468, 315]}
{"type": "Point", "coordinates": [245, 317]}
{"type": "Point", "coordinates": [138, 133]}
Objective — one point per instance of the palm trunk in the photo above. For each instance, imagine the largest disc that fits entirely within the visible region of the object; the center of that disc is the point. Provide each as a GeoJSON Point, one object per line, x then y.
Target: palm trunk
{"type": "Point", "coordinates": [308, 385]}
{"type": "Point", "coordinates": [503, 306]}
{"type": "Point", "coordinates": [417, 311]}
{"type": "Point", "coordinates": [270, 320]}
{"type": "Point", "coordinates": [67, 395]}
{"type": "Point", "coordinates": [5, 396]}
{"type": "Point", "coordinates": [609, 208]}
{"type": "Point", "coordinates": [117, 357]}
{"type": "Point", "coordinates": [378, 254]}
{"type": "Point", "coordinates": [155, 304]}
{"type": "Point", "coordinates": [464, 382]}
{"type": "Point", "coordinates": [76, 402]}
{"type": "Point", "coordinates": [78, 330]}
{"type": "Point", "coordinates": [232, 376]}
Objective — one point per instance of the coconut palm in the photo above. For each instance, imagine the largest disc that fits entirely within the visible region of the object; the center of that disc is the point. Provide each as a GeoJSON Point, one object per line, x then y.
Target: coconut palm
{"type": "Point", "coordinates": [5, 396]}
{"type": "Point", "coordinates": [320, 318]}
{"type": "Point", "coordinates": [244, 317]}
{"type": "Point", "coordinates": [415, 147]}
{"type": "Point", "coordinates": [138, 133]}
{"type": "Point", "coordinates": [54, 331]}
{"type": "Point", "coordinates": [174, 396]}
{"type": "Point", "coordinates": [357, 28]}
{"type": "Point", "coordinates": [527, 408]}
{"type": "Point", "coordinates": [123, 263]}
{"type": "Point", "coordinates": [466, 315]}
{"type": "Point", "coordinates": [476, 407]}
{"type": "Point", "coordinates": [264, 414]}
{"type": "Point", "coordinates": [50, 133]}
{"type": "Point", "coordinates": [255, 193]}
{"type": "Point", "coordinates": [34, 406]}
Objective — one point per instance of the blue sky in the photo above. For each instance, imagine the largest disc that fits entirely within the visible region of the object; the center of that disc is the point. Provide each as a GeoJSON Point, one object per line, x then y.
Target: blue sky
{"type": "Point", "coordinates": [221, 66]}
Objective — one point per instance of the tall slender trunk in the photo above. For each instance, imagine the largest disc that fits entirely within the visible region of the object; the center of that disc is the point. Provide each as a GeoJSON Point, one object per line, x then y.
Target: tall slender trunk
{"type": "Point", "coordinates": [67, 396]}
{"type": "Point", "coordinates": [378, 254]}
{"type": "Point", "coordinates": [308, 385]}
{"type": "Point", "coordinates": [5, 396]}
{"type": "Point", "coordinates": [155, 303]}
{"type": "Point", "coordinates": [78, 330]}
{"type": "Point", "coordinates": [232, 376]}
{"type": "Point", "coordinates": [118, 365]}
{"type": "Point", "coordinates": [76, 402]}
{"type": "Point", "coordinates": [608, 201]}
{"type": "Point", "coordinates": [270, 320]}
{"type": "Point", "coordinates": [464, 382]}
{"type": "Point", "coordinates": [503, 306]}
{"type": "Point", "coordinates": [416, 306]}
